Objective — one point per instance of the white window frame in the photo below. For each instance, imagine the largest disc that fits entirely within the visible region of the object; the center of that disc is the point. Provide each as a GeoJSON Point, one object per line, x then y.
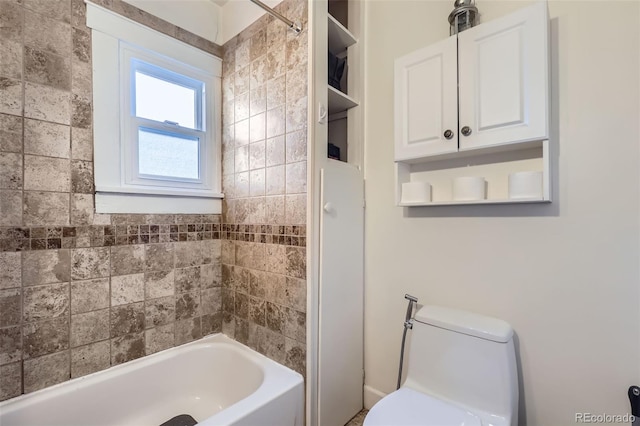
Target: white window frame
{"type": "Point", "coordinates": [117, 40]}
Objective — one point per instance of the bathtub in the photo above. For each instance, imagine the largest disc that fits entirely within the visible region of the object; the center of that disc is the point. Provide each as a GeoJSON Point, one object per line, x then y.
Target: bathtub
{"type": "Point", "coordinates": [215, 380]}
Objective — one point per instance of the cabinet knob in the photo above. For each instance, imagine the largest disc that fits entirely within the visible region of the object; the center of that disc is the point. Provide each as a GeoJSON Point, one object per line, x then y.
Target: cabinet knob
{"type": "Point", "coordinates": [466, 130]}
{"type": "Point", "coordinates": [448, 134]}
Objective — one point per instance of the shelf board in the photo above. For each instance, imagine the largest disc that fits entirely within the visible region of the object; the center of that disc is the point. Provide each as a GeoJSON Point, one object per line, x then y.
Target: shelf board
{"type": "Point", "coordinates": [475, 202]}
{"type": "Point", "coordinates": [339, 37]}
{"type": "Point", "coordinates": [339, 101]}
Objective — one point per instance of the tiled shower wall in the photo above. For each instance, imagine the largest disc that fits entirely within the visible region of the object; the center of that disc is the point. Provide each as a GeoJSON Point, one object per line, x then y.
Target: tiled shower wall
{"type": "Point", "coordinates": [264, 180]}
{"type": "Point", "coordinates": [80, 292]}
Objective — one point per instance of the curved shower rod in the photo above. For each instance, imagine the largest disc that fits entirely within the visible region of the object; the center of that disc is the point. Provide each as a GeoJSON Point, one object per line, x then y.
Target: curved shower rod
{"type": "Point", "coordinates": [292, 25]}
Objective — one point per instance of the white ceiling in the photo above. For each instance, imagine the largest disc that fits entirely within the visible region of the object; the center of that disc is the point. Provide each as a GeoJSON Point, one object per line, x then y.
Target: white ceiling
{"type": "Point", "coordinates": [220, 2]}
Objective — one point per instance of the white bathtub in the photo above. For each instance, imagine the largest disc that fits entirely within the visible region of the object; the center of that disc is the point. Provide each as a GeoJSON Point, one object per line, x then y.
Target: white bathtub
{"type": "Point", "coordinates": [215, 380]}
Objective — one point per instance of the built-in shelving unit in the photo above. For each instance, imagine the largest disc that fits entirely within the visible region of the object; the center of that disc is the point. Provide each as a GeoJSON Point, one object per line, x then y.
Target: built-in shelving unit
{"type": "Point", "coordinates": [339, 101]}
{"type": "Point", "coordinates": [340, 38]}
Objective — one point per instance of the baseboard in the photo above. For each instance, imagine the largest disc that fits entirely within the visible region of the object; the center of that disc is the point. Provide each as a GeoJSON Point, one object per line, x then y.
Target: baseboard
{"type": "Point", "coordinates": [372, 396]}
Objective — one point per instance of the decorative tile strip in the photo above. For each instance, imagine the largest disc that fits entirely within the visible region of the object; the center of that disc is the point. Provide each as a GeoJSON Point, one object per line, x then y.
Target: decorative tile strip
{"type": "Point", "coordinates": [57, 237]}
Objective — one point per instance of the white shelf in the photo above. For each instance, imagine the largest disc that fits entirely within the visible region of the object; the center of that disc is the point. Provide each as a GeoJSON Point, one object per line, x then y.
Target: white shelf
{"type": "Point", "coordinates": [339, 101]}
{"type": "Point", "coordinates": [339, 37]}
{"type": "Point", "coordinates": [475, 202]}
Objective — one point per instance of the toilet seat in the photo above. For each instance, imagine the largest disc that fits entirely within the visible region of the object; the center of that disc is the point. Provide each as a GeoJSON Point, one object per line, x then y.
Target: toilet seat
{"type": "Point", "coordinates": [407, 407]}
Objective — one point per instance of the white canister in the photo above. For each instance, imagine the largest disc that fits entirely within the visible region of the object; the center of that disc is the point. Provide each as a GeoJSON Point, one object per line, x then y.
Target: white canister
{"type": "Point", "coordinates": [469, 188]}
{"type": "Point", "coordinates": [416, 192]}
{"type": "Point", "coordinates": [525, 185]}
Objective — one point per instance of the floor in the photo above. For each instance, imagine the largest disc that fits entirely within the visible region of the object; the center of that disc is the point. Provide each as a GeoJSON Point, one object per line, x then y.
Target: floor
{"type": "Point", "coordinates": [358, 419]}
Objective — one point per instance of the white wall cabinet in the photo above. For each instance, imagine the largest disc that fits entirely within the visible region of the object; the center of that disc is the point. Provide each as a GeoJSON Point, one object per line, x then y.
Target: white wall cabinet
{"type": "Point", "coordinates": [467, 101]}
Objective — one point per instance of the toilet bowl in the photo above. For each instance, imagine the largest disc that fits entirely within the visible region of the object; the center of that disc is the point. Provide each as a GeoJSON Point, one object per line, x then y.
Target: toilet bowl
{"type": "Point", "coordinates": [461, 372]}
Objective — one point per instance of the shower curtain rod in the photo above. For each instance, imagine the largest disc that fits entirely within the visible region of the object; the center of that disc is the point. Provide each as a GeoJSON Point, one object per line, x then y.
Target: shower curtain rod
{"type": "Point", "coordinates": [292, 25]}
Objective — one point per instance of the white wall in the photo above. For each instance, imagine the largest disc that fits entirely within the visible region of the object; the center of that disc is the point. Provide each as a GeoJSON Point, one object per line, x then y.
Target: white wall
{"type": "Point", "coordinates": [565, 275]}
{"type": "Point", "coordinates": [201, 17]}
{"type": "Point", "coordinates": [238, 15]}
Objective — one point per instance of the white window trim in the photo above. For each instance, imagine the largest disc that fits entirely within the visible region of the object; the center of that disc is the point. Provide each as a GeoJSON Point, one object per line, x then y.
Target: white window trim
{"type": "Point", "coordinates": [113, 194]}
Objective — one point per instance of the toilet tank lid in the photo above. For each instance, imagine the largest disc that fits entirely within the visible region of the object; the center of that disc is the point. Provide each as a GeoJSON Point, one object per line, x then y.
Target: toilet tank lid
{"type": "Point", "coordinates": [465, 322]}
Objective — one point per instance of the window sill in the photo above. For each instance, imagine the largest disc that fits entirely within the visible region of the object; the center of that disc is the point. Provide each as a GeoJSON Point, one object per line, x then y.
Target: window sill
{"type": "Point", "coordinates": [120, 202]}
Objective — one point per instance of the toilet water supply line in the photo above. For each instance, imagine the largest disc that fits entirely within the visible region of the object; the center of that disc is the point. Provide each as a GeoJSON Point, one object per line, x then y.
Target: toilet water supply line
{"type": "Point", "coordinates": [408, 324]}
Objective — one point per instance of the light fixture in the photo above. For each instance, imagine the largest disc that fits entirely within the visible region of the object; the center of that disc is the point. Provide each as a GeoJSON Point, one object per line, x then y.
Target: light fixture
{"type": "Point", "coordinates": [463, 16]}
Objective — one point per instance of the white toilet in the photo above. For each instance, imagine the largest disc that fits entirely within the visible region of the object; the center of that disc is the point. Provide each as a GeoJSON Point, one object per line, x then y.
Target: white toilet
{"type": "Point", "coordinates": [461, 371]}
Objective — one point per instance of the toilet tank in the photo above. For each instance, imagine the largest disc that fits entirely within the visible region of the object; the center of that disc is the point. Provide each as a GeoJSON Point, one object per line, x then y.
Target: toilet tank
{"type": "Point", "coordinates": [466, 358]}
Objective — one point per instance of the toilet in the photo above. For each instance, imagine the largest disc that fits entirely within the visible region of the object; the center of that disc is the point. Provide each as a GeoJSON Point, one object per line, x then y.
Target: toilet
{"type": "Point", "coordinates": [461, 371]}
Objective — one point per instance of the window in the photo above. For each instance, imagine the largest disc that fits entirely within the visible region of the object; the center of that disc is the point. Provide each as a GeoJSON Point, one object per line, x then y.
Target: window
{"type": "Point", "coordinates": [156, 120]}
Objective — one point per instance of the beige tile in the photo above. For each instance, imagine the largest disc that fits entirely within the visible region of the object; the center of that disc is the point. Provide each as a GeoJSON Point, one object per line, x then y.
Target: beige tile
{"type": "Point", "coordinates": [10, 96]}
{"type": "Point", "coordinates": [81, 78]}
{"type": "Point", "coordinates": [276, 92]}
{"type": "Point", "coordinates": [127, 289]}
{"type": "Point", "coordinates": [47, 34]}
{"type": "Point", "coordinates": [46, 371]}
{"type": "Point", "coordinates": [160, 311]}
{"type": "Point", "coordinates": [159, 338]}
{"type": "Point", "coordinates": [47, 68]}
{"type": "Point", "coordinates": [90, 358]}
{"type": "Point", "coordinates": [257, 127]}
{"type": "Point", "coordinates": [10, 344]}
{"type": "Point", "coordinates": [10, 374]}
{"type": "Point", "coordinates": [296, 177]}
{"type": "Point", "coordinates": [275, 122]}
{"type": "Point", "coordinates": [296, 50]}
{"type": "Point", "coordinates": [276, 63]}
{"type": "Point", "coordinates": [242, 82]}
{"type": "Point", "coordinates": [242, 185]}
{"type": "Point", "coordinates": [46, 173]}
{"type": "Point", "coordinates": [242, 159]}
{"type": "Point", "coordinates": [274, 208]}
{"type": "Point", "coordinates": [89, 327]}
{"type": "Point", "coordinates": [89, 295]}
{"type": "Point", "coordinates": [11, 21]}
{"type": "Point", "coordinates": [241, 106]}
{"type": "Point", "coordinates": [275, 317]}
{"type": "Point", "coordinates": [228, 164]}
{"type": "Point", "coordinates": [82, 177]}
{"type": "Point", "coordinates": [81, 144]}
{"type": "Point", "coordinates": [228, 114]}
{"type": "Point", "coordinates": [296, 355]}
{"type": "Point", "coordinates": [42, 267]}
{"type": "Point", "coordinates": [90, 263]}
{"type": "Point", "coordinates": [211, 323]}
{"type": "Point", "coordinates": [297, 83]}
{"type": "Point", "coordinates": [211, 300]}
{"type": "Point", "coordinates": [188, 305]}
{"type": "Point", "coordinates": [10, 59]}
{"type": "Point", "coordinates": [228, 86]}
{"type": "Point", "coordinates": [276, 258]}
{"type": "Point", "coordinates": [159, 284]}
{"type": "Point", "coordinates": [45, 337]}
{"type": "Point", "coordinates": [258, 100]}
{"type": "Point", "coordinates": [46, 208]}
{"type": "Point", "coordinates": [258, 73]}
{"type": "Point", "coordinates": [188, 279]}
{"type": "Point", "coordinates": [78, 13]}
{"type": "Point", "coordinates": [10, 307]}
{"type": "Point", "coordinates": [296, 146]}
{"type": "Point", "coordinates": [82, 209]}
{"type": "Point", "coordinates": [47, 103]}
{"type": "Point", "coordinates": [127, 259]}
{"type": "Point", "coordinates": [296, 209]}
{"type": "Point", "coordinates": [242, 133]}
{"type": "Point", "coordinates": [296, 262]}
{"type": "Point", "coordinates": [45, 302]}
{"type": "Point", "coordinates": [127, 348]}
{"type": "Point", "coordinates": [295, 326]}
{"type": "Point", "coordinates": [81, 45]}
{"type": "Point", "coordinates": [159, 257]}
{"type": "Point", "coordinates": [276, 33]}
{"type": "Point", "coordinates": [258, 44]}
{"type": "Point", "coordinates": [257, 155]}
{"type": "Point", "coordinates": [188, 330]}
{"type": "Point", "coordinates": [275, 151]}
{"type": "Point", "coordinates": [10, 208]}
{"type": "Point", "coordinates": [127, 319]}
{"type": "Point", "coordinates": [297, 115]}
{"type": "Point", "coordinates": [274, 346]}
{"type": "Point", "coordinates": [275, 180]}
{"type": "Point", "coordinates": [10, 170]}
{"type": "Point", "coordinates": [10, 133]}
{"type": "Point", "coordinates": [48, 139]}
{"type": "Point", "coordinates": [242, 55]}
{"type": "Point", "coordinates": [256, 183]}
{"type": "Point", "coordinates": [10, 270]}
{"type": "Point", "coordinates": [191, 254]}
{"type": "Point", "coordinates": [59, 10]}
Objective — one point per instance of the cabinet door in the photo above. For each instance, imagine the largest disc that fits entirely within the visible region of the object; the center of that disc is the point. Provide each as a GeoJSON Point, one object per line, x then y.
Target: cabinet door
{"type": "Point", "coordinates": [425, 101]}
{"type": "Point", "coordinates": [503, 78]}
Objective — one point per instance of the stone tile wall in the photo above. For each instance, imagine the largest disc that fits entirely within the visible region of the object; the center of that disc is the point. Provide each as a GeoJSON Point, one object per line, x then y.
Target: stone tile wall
{"type": "Point", "coordinates": [264, 180]}
{"type": "Point", "coordinates": [81, 291]}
